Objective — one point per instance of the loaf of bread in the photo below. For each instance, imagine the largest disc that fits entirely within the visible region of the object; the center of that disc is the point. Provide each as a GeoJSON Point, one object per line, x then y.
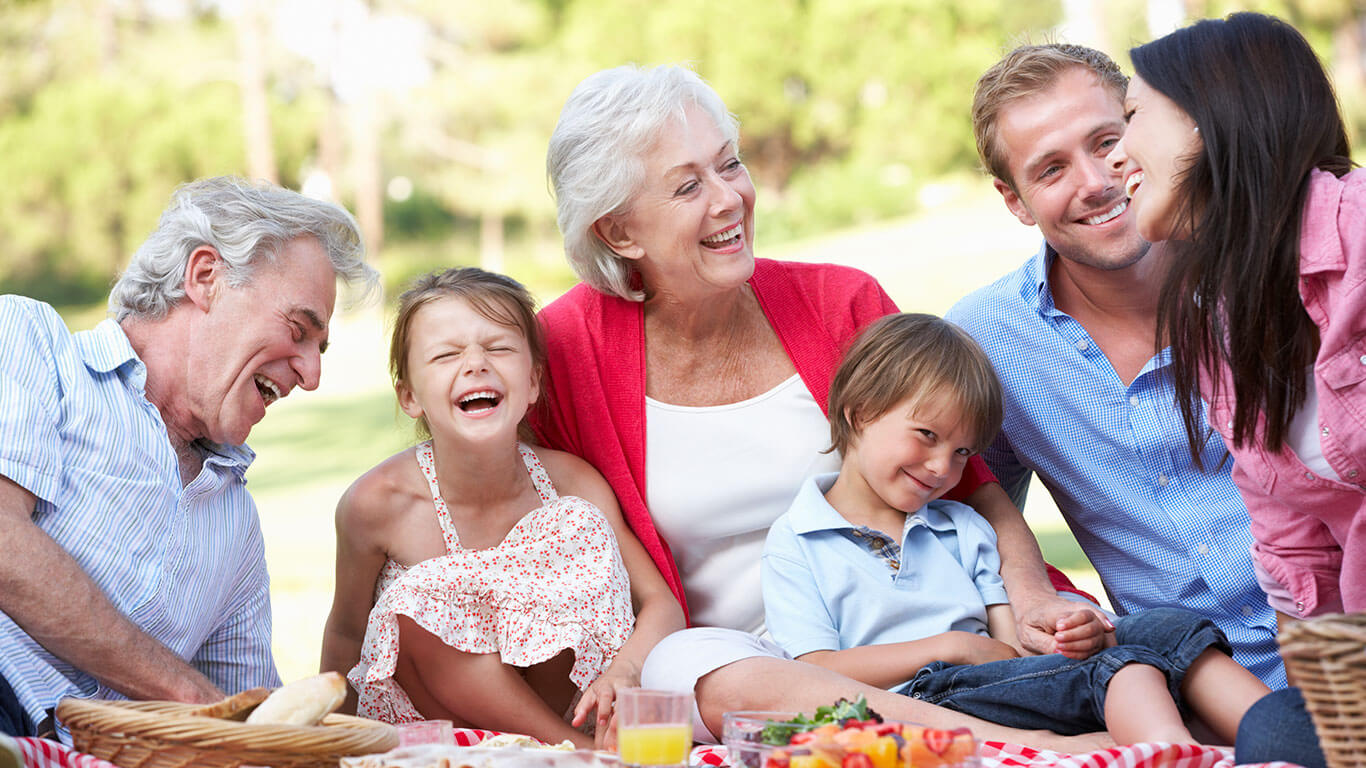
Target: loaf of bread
{"type": "Point", "coordinates": [302, 702]}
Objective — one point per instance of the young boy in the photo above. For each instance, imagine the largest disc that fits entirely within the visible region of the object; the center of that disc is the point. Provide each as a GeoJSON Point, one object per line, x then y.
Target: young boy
{"type": "Point", "coordinates": [870, 574]}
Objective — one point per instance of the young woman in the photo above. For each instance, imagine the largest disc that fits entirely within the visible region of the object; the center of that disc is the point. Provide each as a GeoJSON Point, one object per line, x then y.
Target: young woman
{"type": "Point", "coordinates": [1236, 154]}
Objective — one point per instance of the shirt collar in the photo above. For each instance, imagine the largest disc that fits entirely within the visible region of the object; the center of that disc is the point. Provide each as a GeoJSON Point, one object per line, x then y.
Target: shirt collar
{"type": "Point", "coordinates": [1034, 287]}
{"type": "Point", "coordinates": [811, 512]}
{"type": "Point", "coordinates": [105, 347]}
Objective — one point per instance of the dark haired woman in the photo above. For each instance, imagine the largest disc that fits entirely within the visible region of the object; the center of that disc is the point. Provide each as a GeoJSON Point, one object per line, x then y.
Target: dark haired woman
{"type": "Point", "coordinates": [1236, 153]}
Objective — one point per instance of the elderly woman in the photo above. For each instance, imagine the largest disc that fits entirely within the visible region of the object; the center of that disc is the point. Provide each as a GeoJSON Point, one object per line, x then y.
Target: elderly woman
{"type": "Point", "coordinates": [694, 377]}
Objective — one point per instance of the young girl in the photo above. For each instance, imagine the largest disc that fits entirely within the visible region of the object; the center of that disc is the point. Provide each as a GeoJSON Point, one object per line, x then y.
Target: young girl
{"type": "Point", "coordinates": [1236, 154]}
{"type": "Point", "coordinates": [871, 574]}
{"type": "Point", "coordinates": [479, 580]}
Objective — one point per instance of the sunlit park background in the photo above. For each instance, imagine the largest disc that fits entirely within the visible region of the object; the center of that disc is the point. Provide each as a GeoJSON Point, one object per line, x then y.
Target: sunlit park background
{"type": "Point", "coordinates": [429, 120]}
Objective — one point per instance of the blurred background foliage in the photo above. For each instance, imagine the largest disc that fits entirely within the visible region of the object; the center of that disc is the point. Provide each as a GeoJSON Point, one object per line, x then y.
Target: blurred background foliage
{"type": "Point", "coordinates": [429, 118]}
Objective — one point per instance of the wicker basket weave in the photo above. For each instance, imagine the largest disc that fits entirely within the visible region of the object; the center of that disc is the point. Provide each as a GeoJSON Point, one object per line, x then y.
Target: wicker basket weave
{"type": "Point", "coordinates": [158, 734]}
{"type": "Point", "coordinates": [1326, 657]}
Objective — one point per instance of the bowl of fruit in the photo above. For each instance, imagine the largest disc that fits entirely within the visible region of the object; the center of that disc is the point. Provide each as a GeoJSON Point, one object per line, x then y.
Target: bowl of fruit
{"type": "Point", "coordinates": [844, 735]}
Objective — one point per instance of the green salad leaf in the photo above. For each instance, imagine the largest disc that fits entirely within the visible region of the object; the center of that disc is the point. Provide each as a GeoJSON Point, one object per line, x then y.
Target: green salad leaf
{"type": "Point", "coordinates": [842, 711]}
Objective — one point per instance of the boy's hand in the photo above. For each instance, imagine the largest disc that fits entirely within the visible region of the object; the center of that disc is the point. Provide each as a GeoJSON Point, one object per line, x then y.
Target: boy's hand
{"type": "Point", "coordinates": [972, 648]}
{"type": "Point", "coordinates": [1082, 633]}
{"type": "Point", "coordinates": [1039, 621]}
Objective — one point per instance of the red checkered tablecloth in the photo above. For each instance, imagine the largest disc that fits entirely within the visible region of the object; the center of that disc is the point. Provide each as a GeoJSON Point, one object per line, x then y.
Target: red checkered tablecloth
{"type": "Point", "coordinates": [40, 753]}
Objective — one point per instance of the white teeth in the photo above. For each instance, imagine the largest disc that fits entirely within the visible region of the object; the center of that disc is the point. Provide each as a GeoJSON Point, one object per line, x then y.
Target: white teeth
{"type": "Point", "coordinates": [272, 392]}
{"type": "Point", "coordinates": [721, 237]}
{"type": "Point", "coordinates": [1131, 184]}
{"type": "Point", "coordinates": [487, 394]}
{"type": "Point", "coordinates": [1110, 214]}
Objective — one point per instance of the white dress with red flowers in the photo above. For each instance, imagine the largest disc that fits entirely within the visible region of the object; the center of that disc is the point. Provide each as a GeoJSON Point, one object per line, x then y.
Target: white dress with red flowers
{"type": "Point", "coordinates": [555, 582]}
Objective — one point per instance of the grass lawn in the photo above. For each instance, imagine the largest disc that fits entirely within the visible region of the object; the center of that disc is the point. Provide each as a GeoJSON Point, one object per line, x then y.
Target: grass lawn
{"type": "Point", "coordinates": [314, 444]}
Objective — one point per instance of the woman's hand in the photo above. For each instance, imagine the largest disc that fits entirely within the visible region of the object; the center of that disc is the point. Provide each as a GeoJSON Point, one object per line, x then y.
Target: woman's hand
{"type": "Point", "coordinates": [972, 648]}
{"type": "Point", "coordinates": [601, 696]}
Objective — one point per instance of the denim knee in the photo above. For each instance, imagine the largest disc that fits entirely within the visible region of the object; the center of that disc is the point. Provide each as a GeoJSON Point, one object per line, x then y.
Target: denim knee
{"type": "Point", "coordinates": [1278, 728]}
{"type": "Point", "coordinates": [1170, 639]}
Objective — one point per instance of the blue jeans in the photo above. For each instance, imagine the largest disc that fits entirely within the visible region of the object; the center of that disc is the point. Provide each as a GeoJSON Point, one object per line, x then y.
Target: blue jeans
{"type": "Point", "coordinates": [1278, 727]}
{"type": "Point", "coordinates": [13, 718]}
{"type": "Point", "coordinates": [1065, 695]}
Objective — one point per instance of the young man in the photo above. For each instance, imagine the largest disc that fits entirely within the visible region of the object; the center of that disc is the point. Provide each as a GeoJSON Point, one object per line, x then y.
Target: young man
{"type": "Point", "coordinates": [1072, 336]}
{"type": "Point", "coordinates": [135, 565]}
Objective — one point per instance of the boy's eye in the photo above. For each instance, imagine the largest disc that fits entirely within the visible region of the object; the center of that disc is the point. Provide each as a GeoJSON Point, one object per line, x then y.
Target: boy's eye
{"type": "Point", "coordinates": [927, 433]}
{"type": "Point", "coordinates": [965, 452]}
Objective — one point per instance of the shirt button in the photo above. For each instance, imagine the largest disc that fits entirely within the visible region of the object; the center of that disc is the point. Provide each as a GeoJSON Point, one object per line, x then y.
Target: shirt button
{"type": "Point", "coordinates": [1299, 606]}
{"type": "Point", "coordinates": [1133, 400]}
{"type": "Point", "coordinates": [1352, 473]}
{"type": "Point", "coordinates": [1363, 359]}
{"type": "Point", "coordinates": [1247, 610]}
{"type": "Point", "coordinates": [1230, 425]}
{"type": "Point", "coordinates": [1308, 475]}
{"type": "Point", "coordinates": [1325, 431]}
{"type": "Point", "coordinates": [1083, 344]}
{"type": "Point", "coordinates": [1203, 549]}
{"type": "Point", "coordinates": [1163, 480]}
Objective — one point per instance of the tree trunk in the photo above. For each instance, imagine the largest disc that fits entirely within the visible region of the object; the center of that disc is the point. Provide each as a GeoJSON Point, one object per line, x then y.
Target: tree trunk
{"type": "Point", "coordinates": [255, 102]}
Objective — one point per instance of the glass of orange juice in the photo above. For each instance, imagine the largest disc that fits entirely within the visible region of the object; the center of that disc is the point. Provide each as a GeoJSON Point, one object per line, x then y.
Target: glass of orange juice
{"type": "Point", "coordinates": [654, 728]}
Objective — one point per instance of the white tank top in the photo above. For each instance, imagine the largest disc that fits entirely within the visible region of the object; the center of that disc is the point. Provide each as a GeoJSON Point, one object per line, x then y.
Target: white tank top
{"type": "Point", "coordinates": [1303, 437]}
{"type": "Point", "coordinates": [716, 478]}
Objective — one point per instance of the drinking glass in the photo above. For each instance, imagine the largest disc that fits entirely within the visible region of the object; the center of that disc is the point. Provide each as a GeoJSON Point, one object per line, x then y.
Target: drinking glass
{"type": "Point", "coordinates": [654, 728]}
{"type": "Point", "coordinates": [426, 732]}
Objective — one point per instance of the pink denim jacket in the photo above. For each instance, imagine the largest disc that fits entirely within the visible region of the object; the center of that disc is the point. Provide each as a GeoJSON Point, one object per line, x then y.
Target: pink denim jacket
{"type": "Point", "coordinates": [1310, 531]}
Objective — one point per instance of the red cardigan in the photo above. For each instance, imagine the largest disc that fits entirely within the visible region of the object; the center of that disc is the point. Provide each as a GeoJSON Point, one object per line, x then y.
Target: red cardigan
{"type": "Point", "coordinates": [593, 392]}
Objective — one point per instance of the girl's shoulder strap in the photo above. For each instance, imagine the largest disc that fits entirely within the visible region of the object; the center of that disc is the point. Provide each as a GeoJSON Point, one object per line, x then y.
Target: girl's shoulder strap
{"type": "Point", "coordinates": [426, 461]}
{"type": "Point", "coordinates": [539, 477]}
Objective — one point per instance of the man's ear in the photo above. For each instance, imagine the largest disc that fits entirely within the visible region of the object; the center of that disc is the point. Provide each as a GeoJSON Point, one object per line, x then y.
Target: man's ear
{"type": "Point", "coordinates": [1014, 203]}
{"type": "Point", "coordinates": [611, 230]}
{"type": "Point", "coordinates": [204, 276]}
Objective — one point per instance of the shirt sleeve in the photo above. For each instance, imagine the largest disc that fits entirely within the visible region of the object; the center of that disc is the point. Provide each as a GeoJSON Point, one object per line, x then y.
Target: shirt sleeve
{"type": "Point", "coordinates": [981, 559]}
{"type": "Point", "coordinates": [237, 654]}
{"type": "Point", "coordinates": [794, 612]}
{"type": "Point", "coordinates": [30, 399]}
{"type": "Point", "coordinates": [1013, 476]}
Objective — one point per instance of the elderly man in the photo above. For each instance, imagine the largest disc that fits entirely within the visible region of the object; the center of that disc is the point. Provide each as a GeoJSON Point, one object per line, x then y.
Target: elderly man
{"type": "Point", "coordinates": [1089, 408]}
{"type": "Point", "coordinates": [134, 563]}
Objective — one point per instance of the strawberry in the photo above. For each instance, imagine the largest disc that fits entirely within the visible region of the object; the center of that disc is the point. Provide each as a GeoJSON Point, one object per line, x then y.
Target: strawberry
{"type": "Point", "coordinates": [856, 760]}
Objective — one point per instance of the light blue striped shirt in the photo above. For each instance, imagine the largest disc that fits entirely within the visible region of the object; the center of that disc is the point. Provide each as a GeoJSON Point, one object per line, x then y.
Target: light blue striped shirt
{"type": "Point", "coordinates": [185, 564]}
{"type": "Point", "coordinates": [1115, 459]}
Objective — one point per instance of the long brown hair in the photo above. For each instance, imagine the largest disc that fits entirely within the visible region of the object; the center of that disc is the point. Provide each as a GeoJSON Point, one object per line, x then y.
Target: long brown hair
{"type": "Point", "coordinates": [1268, 116]}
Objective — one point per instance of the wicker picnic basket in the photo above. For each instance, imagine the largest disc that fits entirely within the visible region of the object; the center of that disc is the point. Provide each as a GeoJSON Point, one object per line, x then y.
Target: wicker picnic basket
{"type": "Point", "coordinates": [159, 734]}
{"type": "Point", "coordinates": [1326, 657]}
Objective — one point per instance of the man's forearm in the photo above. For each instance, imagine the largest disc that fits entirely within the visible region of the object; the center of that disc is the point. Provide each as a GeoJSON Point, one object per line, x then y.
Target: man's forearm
{"type": "Point", "coordinates": [45, 591]}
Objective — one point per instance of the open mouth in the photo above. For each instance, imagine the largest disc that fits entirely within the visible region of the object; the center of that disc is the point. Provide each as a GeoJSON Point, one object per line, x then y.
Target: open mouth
{"type": "Point", "coordinates": [270, 391]}
{"type": "Point", "coordinates": [1108, 215]}
{"type": "Point", "coordinates": [725, 238]}
{"type": "Point", "coordinates": [1131, 183]}
{"type": "Point", "coordinates": [480, 402]}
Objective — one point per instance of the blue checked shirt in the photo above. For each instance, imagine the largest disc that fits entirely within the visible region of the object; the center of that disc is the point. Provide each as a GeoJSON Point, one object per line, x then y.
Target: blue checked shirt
{"type": "Point", "coordinates": [1115, 459]}
{"type": "Point", "coordinates": [185, 564]}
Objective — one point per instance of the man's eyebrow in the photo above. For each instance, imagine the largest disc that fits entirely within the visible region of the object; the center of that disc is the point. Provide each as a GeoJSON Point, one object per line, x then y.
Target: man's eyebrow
{"type": "Point", "coordinates": [316, 321]}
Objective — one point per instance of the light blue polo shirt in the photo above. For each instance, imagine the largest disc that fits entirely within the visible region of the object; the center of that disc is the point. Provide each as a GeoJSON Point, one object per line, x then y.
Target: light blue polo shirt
{"type": "Point", "coordinates": [826, 589]}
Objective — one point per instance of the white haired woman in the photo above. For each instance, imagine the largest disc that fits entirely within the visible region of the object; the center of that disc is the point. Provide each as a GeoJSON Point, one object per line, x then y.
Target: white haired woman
{"type": "Point", "coordinates": [694, 377]}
